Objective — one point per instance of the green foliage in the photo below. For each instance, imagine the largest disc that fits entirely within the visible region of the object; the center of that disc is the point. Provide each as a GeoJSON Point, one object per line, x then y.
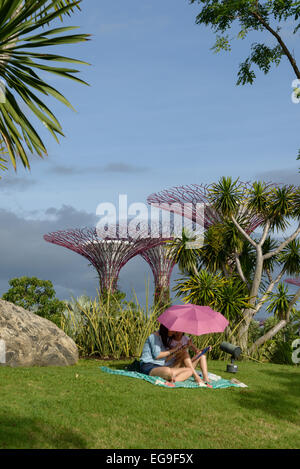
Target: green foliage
{"type": "Point", "coordinates": [108, 327]}
{"type": "Point", "coordinates": [280, 352]}
{"type": "Point", "coordinates": [279, 302]}
{"type": "Point", "coordinates": [180, 249]}
{"type": "Point", "coordinates": [226, 295]}
{"type": "Point", "coordinates": [254, 331]}
{"type": "Point", "coordinates": [225, 196]}
{"type": "Point", "coordinates": [37, 296]}
{"type": "Point", "coordinates": [279, 348]}
{"type": "Point", "coordinates": [262, 56]}
{"type": "Point", "coordinates": [290, 257]}
{"type": "Point", "coordinates": [251, 16]}
{"type": "Point", "coordinates": [221, 242]}
{"type": "Point", "coordinates": [25, 27]}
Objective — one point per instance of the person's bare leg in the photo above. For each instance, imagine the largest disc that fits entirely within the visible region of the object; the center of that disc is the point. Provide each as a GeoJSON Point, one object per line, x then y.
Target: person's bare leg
{"type": "Point", "coordinates": [203, 366]}
{"type": "Point", "coordinates": [184, 361]}
{"type": "Point", "coordinates": [192, 364]}
{"type": "Point", "coordinates": [163, 372]}
{"type": "Point", "coordinates": [181, 374]}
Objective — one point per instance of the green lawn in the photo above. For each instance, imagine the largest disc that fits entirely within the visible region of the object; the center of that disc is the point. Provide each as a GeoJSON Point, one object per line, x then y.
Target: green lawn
{"type": "Point", "coordinates": [82, 407]}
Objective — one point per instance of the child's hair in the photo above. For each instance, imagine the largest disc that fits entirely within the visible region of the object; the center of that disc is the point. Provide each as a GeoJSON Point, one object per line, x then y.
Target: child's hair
{"type": "Point", "coordinates": [166, 339]}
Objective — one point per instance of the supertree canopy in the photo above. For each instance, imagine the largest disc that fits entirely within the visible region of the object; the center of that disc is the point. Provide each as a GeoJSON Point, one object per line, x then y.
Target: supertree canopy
{"type": "Point", "coordinates": [193, 202]}
{"type": "Point", "coordinates": [107, 254]}
{"type": "Point", "coordinates": [293, 281]}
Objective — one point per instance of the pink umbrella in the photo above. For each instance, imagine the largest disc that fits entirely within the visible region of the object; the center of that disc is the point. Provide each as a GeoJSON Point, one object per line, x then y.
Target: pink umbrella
{"type": "Point", "coordinates": [293, 281]}
{"type": "Point", "coordinates": [193, 319]}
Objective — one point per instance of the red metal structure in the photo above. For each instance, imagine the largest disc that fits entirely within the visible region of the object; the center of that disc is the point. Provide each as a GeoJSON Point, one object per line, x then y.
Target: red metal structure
{"type": "Point", "coordinates": [161, 262]}
{"type": "Point", "coordinates": [107, 254]}
{"type": "Point", "coordinates": [187, 201]}
{"type": "Point", "coordinates": [293, 281]}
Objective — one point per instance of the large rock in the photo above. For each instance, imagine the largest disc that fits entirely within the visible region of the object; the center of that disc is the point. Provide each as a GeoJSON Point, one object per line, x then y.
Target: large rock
{"type": "Point", "coordinates": [26, 339]}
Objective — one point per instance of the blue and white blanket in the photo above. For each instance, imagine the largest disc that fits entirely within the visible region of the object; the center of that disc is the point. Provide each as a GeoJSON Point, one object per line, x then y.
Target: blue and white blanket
{"type": "Point", "coordinates": [217, 382]}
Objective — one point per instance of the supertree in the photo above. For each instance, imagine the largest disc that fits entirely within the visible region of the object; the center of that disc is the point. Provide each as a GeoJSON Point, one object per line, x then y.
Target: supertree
{"type": "Point", "coordinates": [108, 253]}
{"type": "Point", "coordinates": [161, 261]}
{"type": "Point", "coordinates": [193, 202]}
{"type": "Point", "coordinates": [293, 281]}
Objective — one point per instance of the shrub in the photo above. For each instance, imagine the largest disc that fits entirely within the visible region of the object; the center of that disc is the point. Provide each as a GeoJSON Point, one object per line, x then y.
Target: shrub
{"type": "Point", "coordinates": [37, 296]}
{"type": "Point", "coordinates": [109, 328]}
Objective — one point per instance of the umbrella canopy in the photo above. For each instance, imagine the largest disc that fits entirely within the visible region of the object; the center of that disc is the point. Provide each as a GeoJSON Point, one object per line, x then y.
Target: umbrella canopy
{"type": "Point", "coordinates": [193, 319]}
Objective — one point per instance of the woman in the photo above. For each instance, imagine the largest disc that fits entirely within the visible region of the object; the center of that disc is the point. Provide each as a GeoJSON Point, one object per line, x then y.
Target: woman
{"type": "Point", "coordinates": [157, 350]}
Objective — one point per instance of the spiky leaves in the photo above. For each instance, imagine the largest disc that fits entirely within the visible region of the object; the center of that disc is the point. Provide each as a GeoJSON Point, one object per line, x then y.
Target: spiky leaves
{"type": "Point", "coordinates": [226, 295]}
{"type": "Point", "coordinates": [24, 30]}
{"type": "Point", "coordinates": [269, 202]}
{"type": "Point", "coordinates": [225, 196]}
{"type": "Point", "coordinates": [279, 302]}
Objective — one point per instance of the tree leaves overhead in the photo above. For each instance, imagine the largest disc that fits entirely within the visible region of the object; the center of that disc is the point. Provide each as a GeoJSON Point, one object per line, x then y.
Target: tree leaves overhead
{"type": "Point", "coordinates": [24, 30]}
{"type": "Point", "coordinates": [252, 15]}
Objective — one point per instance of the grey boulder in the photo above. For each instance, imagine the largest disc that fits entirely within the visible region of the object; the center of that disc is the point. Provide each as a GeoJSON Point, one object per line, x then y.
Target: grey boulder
{"type": "Point", "coordinates": [27, 339]}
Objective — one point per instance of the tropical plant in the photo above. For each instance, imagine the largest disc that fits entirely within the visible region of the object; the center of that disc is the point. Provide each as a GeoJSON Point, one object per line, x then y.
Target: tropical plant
{"type": "Point", "coordinates": [279, 302]}
{"type": "Point", "coordinates": [37, 296]}
{"type": "Point", "coordinates": [202, 288]}
{"type": "Point", "coordinates": [275, 206]}
{"type": "Point", "coordinates": [100, 332]}
{"type": "Point", "coordinates": [279, 349]}
{"type": "Point", "coordinates": [25, 27]}
{"type": "Point", "coordinates": [233, 250]}
{"type": "Point", "coordinates": [226, 295]}
{"type": "Point", "coordinates": [183, 250]}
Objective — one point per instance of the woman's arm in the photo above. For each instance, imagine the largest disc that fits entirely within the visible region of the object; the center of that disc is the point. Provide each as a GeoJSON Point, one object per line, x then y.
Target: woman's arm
{"type": "Point", "coordinates": [170, 352]}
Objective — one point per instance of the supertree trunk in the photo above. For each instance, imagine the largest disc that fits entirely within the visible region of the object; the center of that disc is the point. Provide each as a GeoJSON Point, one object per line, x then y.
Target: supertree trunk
{"type": "Point", "coordinates": [161, 262]}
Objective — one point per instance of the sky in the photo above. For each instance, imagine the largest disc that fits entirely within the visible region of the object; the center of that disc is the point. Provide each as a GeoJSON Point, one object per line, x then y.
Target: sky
{"type": "Point", "coordinates": [161, 110]}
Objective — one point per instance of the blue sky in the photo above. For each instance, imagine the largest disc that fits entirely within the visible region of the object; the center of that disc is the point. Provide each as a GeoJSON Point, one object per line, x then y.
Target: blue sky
{"type": "Point", "coordinates": [161, 110]}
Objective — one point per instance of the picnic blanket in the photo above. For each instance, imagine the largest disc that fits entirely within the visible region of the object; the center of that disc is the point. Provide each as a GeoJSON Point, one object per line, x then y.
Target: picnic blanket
{"type": "Point", "coordinates": [217, 382]}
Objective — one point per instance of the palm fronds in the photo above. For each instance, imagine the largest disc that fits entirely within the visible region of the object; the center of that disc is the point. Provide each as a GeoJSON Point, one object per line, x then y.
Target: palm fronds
{"type": "Point", "coordinates": [24, 28]}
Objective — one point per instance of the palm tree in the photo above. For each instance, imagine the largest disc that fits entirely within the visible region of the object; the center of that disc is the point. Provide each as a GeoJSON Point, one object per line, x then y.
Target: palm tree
{"type": "Point", "coordinates": [227, 295]}
{"type": "Point", "coordinates": [280, 301]}
{"type": "Point", "coordinates": [183, 250]}
{"type": "Point", "coordinates": [26, 33]}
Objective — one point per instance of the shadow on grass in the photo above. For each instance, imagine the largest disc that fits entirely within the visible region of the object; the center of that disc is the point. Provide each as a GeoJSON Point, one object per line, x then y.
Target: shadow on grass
{"type": "Point", "coordinates": [280, 401]}
{"type": "Point", "coordinates": [29, 433]}
{"type": "Point", "coordinates": [116, 365]}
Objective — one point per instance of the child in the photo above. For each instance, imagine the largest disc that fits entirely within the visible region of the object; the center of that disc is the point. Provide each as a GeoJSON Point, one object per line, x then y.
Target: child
{"type": "Point", "coordinates": [182, 357]}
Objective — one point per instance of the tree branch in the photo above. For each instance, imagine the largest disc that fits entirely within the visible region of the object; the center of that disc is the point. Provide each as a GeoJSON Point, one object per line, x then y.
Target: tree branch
{"type": "Point", "coordinates": [240, 270]}
{"type": "Point", "coordinates": [241, 230]}
{"type": "Point", "coordinates": [278, 326]}
{"type": "Point", "coordinates": [265, 233]}
{"type": "Point", "coordinates": [282, 44]}
{"type": "Point", "coordinates": [282, 245]}
{"type": "Point", "coordinates": [269, 275]}
{"type": "Point", "coordinates": [268, 290]}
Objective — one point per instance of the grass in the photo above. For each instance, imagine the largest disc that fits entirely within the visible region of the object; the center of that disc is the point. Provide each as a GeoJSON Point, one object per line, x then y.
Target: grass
{"type": "Point", "coordinates": [82, 407]}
